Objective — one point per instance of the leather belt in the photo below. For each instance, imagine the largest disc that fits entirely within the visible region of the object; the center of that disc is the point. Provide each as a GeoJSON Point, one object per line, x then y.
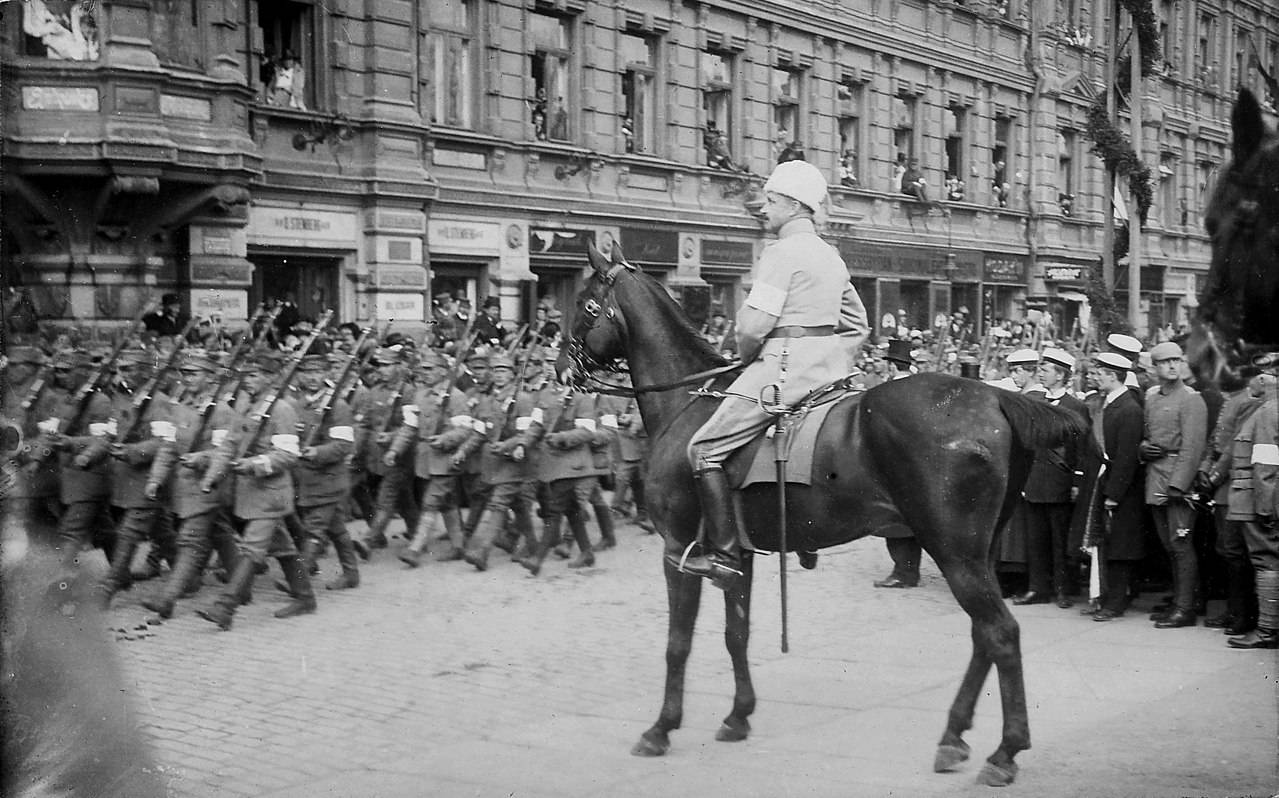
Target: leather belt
{"type": "Point", "coordinates": [798, 331]}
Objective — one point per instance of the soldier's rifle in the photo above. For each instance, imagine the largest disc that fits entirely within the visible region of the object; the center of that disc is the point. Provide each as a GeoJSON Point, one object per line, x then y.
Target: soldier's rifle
{"type": "Point", "coordinates": [261, 412]}
{"type": "Point", "coordinates": [229, 383]}
{"type": "Point", "coordinates": [517, 340]}
{"type": "Point", "coordinates": [356, 359]}
{"type": "Point", "coordinates": [454, 375]}
{"type": "Point", "coordinates": [512, 402]}
{"type": "Point", "coordinates": [98, 377]}
{"type": "Point", "coordinates": [397, 397]}
{"type": "Point", "coordinates": [143, 397]}
{"type": "Point", "coordinates": [36, 389]}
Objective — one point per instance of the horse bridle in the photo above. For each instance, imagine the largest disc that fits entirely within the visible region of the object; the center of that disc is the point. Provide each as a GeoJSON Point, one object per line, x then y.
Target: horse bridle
{"type": "Point", "coordinates": [585, 364]}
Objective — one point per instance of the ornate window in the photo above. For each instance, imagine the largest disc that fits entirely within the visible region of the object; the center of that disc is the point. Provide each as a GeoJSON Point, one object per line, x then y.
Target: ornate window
{"type": "Point", "coordinates": [1206, 49]}
{"type": "Point", "coordinates": [639, 91]}
{"type": "Point", "coordinates": [1067, 141]}
{"type": "Point", "coordinates": [786, 112]}
{"type": "Point", "coordinates": [287, 60]}
{"type": "Point", "coordinates": [448, 92]}
{"type": "Point", "coordinates": [904, 126]}
{"type": "Point", "coordinates": [1168, 189]}
{"type": "Point", "coordinates": [716, 78]}
{"type": "Point", "coordinates": [552, 39]}
{"type": "Point", "coordinates": [956, 151]}
{"type": "Point", "coordinates": [60, 30]}
{"type": "Point", "coordinates": [848, 101]}
{"type": "Point", "coordinates": [1001, 155]}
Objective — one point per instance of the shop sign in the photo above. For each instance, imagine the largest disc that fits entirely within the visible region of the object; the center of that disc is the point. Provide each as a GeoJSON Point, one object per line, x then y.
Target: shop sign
{"type": "Point", "coordinates": [59, 98]}
{"type": "Point", "coordinates": [459, 236]}
{"type": "Point", "coordinates": [215, 244]}
{"type": "Point", "coordinates": [730, 253]}
{"type": "Point", "coordinates": [401, 277]}
{"type": "Point", "coordinates": [1005, 269]}
{"type": "Point", "coordinates": [549, 241]}
{"type": "Point", "coordinates": [646, 246]}
{"type": "Point", "coordinates": [231, 305]}
{"type": "Point", "coordinates": [181, 107]}
{"type": "Point", "coordinates": [301, 227]}
{"type": "Point", "coordinates": [861, 257]}
{"type": "Point", "coordinates": [221, 271]}
{"type": "Point", "coordinates": [400, 307]}
{"type": "Point", "coordinates": [1063, 273]}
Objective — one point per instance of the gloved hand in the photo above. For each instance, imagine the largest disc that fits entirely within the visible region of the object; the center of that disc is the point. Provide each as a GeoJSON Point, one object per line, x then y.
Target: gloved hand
{"type": "Point", "coordinates": [1152, 451]}
{"type": "Point", "coordinates": [152, 490]}
{"type": "Point", "coordinates": [389, 459]}
{"type": "Point", "coordinates": [1174, 493]}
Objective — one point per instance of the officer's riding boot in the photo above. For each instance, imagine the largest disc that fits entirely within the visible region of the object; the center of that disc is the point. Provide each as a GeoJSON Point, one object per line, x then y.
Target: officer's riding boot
{"type": "Point", "coordinates": [411, 555]}
{"type": "Point", "coordinates": [118, 577]}
{"type": "Point", "coordinates": [523, 525]}
{"type": "Point", "coordinates": [577, 523]}
{"type": "Point", "coordinates": [905, 553]}
{"type": "Point", "coordinates": [300, 582]}
{"type": "Point", "coordinates": [486, 531]}
{"type": "Point", "coordinates": [608, 533]}
{"type": "Point", "coordinates": [456, 537]}
{"type": "Point", "coordinates": [347, 558]}
{"type": "Point", "coordinates": [721, 560]}
{"type": "Point", "coordinates": [187, 565]}
{"type": "Point", "coordinates": [1266, 635]}
{"type": "Point", "coordinates": [508, 534]}
{"type": "Point", "coordinates": [232, 596]}
{"type": "Point", "coordinates": [550, 536]}
{"type": "Point", "coordinates": [564, 546]}
{"type": "Point", "coordinates": [196, 581]}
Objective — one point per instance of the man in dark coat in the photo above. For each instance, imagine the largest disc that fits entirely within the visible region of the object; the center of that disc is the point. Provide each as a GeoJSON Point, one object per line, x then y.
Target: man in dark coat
{"type": "Point", "coordinates": [1114, 496]}
{"type": "Point", "coordinates": [488, 325]}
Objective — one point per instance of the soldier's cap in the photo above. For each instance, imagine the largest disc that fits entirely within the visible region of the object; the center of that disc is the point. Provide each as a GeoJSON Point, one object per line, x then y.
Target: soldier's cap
{"type": "Point", "coordinates": [1124, 345]}
{"type": "Point", "coordinates": [1166, 351]}
{"type": "Point", "coordinates": [386, 356]}
{"type": "Point", "coordinates": [198, 360]}
{"type": "Point", "coordinates": [320, 346]}
{"type": "Point", "coordinates": [314, 362]}
{"type": "Point", "coordinates": [263, 360]}
{"type": "Point", "coordinates": [72, 359]}
{"type": "Point", "coordinates": [800, 181]}
{"type": "Point", "coordinates": [432, 358]}
{"type": "Point", "coordinates": [1113, 361]}
{"type": "Point", "coordinates": [501, 362]}
{"type": "Point", "coordinates": [478, 355]}
{"type": "Point", "coordinates": [444, 296]}
{"type": "Point", "coordinates": [26, 354]}
{"type": "Point", "coordinates": [1023, 357]}
{"type": "Point", "coordinates": [136, 358]}
{"type": "Point", "coordinates": [1060, 357]}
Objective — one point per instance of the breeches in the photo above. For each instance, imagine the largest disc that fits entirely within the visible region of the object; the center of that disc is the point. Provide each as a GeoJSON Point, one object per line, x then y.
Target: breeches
{"type": "Point", "coordinates": [505, 495]}
{"type": "Point", "coordinates": [562, 493]}
{"type": "Point", "coordinates": [322, 520]}
{"type": "Point", "coordinates": [80, 520]}
{"type": "Point", "coordinates": [1263, 544]}
{"type": "Point", "coordinates": [440, 494]}
{"type": "Point", "coordinates": [198, 532]}
{"type": "Point", "coordinates": [735, 422]}
{"type": "Point", "coordinates": [136, 523]}
{"type": "Point", "coordinates": [265, 537]}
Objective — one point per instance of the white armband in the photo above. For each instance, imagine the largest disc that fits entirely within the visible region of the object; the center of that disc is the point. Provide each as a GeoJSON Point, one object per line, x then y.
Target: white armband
{"type": "Point", "coordinates": [264, 463]}
{"type": "Point", "coordinates": [286, 443]}
{"type": "Point", "coordinates": [608, 421]}
{"type": "Point", "coordinates": [584, 423]}
{"type": "Point", "coordinates": [164, 430]}
{"type": "Point", "coordinates": [537, 416]}
{"type": "Point", "coordinates": [522, 423]}
{"type": "Point", "coordinates": [479, 426]}
{"type": "Point", "coordinates": [111, 428]}
{"type": "Point", "coordinates": [217, 436]}
{"type": "Point", "coordinates": [98, 429]}
{"type": "Point", "coordinates": [1265, 454]}
{"type": "Point", "coordinates": [342, 433]}
{"type": "Point", "coordinates": [768, 298]}
{"type": "Point", "coordinates": [409, 412]}
{"type": "Point", "coordinates": [462, 421]}
{"type": "Point", "coordinates": [48, 426]}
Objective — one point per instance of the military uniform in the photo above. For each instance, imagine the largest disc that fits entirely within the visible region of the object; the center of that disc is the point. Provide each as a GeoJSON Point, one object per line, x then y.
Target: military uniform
{"type": "Point", "coordinates": [630, 452]}
{"type": "Point", "coordinates": [1262, 534]}
{"type": "Point", "coordinates": [379, 417]}
{"type": "Point", "coordinates": [31, 489]}
{"type": "Point", "coordinates": [1227, 473]}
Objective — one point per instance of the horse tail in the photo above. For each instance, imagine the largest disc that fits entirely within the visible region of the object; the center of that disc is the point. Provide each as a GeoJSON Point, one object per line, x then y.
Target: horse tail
{"type": "Point", "coordinates": [1037, 424]}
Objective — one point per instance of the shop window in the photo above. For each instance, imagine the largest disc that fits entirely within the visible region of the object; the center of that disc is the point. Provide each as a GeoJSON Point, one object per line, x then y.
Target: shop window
{"type": "Point", "coordinates": [549, 70]}
{"type": "Point", "coordinates": [1000, 155]}
{"type": "Point", "coordinates": [1066, 144]}
{"type": "Point", "coordinates": [848, 96]}
{"type": "Point", "coordinates": [786, 112]}
{"type": "Point", "coordinates": [287, 62]}
{"type": "Point", "coordinates": [716, 77]}
{"type": "Point", "coordinates": [60, 30]}
{"type": "Point", "coordinates": [448, 90]}
{"type": "Point", "coordinates": [639, 91]}
{"type": "Point", "coordinates": [956, 151]}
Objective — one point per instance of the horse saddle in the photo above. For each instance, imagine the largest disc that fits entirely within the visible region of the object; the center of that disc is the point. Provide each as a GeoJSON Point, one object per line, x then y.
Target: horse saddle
{"type": "Point", "coordinates": [801, 424]}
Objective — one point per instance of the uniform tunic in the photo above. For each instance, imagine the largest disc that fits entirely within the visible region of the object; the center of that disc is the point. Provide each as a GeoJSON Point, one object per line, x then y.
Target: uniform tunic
{"type": "Point", "coordinates": [1178, 421]}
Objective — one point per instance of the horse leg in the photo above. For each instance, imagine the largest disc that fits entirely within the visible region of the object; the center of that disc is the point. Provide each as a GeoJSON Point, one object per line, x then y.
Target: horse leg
{"type": "Point", "coordinates": [737, 632]}
{"type": "Point", "coordinates": [996, 639]}
{"type": "Point", "coordinates": [684, 598]}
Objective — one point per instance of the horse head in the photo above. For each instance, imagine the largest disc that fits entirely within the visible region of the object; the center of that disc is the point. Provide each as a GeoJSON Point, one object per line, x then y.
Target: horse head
{"type": "Point", "coordinates": [1236, 319]}
{"type": "Point", "coordinates": [597, 340]}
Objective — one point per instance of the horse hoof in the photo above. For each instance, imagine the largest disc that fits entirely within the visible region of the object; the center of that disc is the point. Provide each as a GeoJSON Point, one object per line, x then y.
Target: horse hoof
{"type": "Point", "coordinates": [733, 732]}
{"type": "Point", "coordinates": [993, 775]}
{"type": "Point", "coordinates": [948, 756]}
{"type": "Point", "coordinates": [651, 745]}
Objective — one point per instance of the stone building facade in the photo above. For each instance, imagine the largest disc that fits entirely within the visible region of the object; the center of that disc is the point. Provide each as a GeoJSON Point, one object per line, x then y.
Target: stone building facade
{"type": "Point", "coordinates": [367, 155]}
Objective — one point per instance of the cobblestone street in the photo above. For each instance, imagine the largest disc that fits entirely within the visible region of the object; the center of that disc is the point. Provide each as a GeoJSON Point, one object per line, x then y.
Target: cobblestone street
{"type": "Point", "coordinates": [448, 682]}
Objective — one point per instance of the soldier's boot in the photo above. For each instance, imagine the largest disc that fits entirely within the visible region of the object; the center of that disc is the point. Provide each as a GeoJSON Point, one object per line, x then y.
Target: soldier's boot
{"type": "Point", "coordinates": [577, 524]}
{"type": "Point", "coordinates": [486, 531]}
{"type": "Point", "coordinates": [303, 602]}
{"type": "Point", "coordinates": [225, 544]}
{"type": "Point", "coordinates": [720, 560]}
{"type": "Point", "coordinates": [150, 567]}
{"type": "Point", "coordinates": [188, 565]}
{"type": "Point", "coordinates": [347, 558]}
{"type": "Point", "coordinates": [377, 529]}
{"type": "Point", "coordinates": [523, 525]}
{"type": "Point", "coordinates": [456, 536]}
{"type": "Point", "coordinates": [608, 532]}
{"type": "Point", "coordinates": [905, 553]}
{"type": "Point", "coordinates": [508, 535]}
{"type": "Point", "coordinates": [550, 537]}
{"type": "Point", "coordinates": [118, 576]}
{"type": "Point", "coordinates": [1266, 635]}
{"type": "Point", "coordinates": [641, 519]}
{"type": "Point", "coordinates": [306, 553]}
{"type": "Point", "coordinates": [564, 546]}
{"type": "Point", "coordinates": [222, 612]}
{"type": "Point", "coordinates": [412, 515]}
{"type": "Point", "coordinates": [411, 555]}
{"type": "Point", "coordinates": [196, 579]}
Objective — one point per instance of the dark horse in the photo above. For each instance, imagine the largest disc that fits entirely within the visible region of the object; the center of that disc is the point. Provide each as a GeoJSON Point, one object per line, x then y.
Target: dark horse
{"type": "Point", "coordinates": [1236, 319]}
{"type": "Point", "coordinates": [944, 456]}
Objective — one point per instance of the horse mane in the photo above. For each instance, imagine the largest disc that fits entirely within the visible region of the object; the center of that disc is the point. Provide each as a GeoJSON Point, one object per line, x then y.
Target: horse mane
{"type": "Point", "coordinates": [675, 319]}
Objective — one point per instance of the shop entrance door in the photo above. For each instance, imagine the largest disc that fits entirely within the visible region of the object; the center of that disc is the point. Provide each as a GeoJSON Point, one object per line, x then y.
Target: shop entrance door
{"type": "Point", "coordinates": [309, 282]}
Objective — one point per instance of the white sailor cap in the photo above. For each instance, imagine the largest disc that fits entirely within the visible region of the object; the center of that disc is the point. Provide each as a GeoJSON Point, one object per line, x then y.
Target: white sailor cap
{"type": "Point", "coordinates": [1060, 357]}
{"type": "Point", "coordinates": [1023, 357]}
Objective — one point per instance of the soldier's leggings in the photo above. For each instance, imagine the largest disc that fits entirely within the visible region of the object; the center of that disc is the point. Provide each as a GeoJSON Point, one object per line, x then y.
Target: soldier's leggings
{"type": "Point", "coordinates": [395, 495]}
{"type": "Point", "coordinates": [78, 523]}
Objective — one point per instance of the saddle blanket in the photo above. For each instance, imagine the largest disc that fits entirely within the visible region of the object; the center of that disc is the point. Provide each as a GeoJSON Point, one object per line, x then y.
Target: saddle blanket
{"type": "Point", "coordinates": [757, 461]}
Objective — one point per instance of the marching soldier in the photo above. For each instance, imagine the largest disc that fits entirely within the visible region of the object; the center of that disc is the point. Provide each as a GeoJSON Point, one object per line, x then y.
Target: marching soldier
{"type": "Point", "coordinates": [629, 454]}
{"type": "Point", "coordinates": [321, 474]}
{"type": "Point", "coordinates": [263, 493]}
{"type": "Point", "coordinates": [33, 494]}
{"type": "Point", "coordinates": [479, 384]}
{"type": "Point", "coordinates": [506, 415]}
{"type": "Point", "coordinates": [379, 417]}
{"type": "Point", "coordinates": [602, 464]}
{"type": "Point", "coordinates": [200, 425]}
{"type": "Point", "coordinates": [438, 422]}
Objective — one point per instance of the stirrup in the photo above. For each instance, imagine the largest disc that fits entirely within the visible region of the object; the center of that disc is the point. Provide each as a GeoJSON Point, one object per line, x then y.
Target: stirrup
{"type": "Point", "coordinates": [714, 563]}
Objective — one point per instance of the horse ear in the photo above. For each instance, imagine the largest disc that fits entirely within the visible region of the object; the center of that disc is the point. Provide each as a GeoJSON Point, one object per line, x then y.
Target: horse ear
{"type": "Point", "coordinates": [618, 258]}
{"type": "Point", "coordinates": [599, 261]}
{"type": "Point", "coordinates": [1249, 128]}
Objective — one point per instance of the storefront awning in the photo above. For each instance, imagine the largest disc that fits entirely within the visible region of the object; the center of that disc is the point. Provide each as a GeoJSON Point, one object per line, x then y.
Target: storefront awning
{"type": "Point", "coordinates": [1072, 296]}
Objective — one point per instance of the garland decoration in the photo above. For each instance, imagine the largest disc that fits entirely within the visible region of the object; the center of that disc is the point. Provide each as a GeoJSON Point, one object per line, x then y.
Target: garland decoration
{"type": "Point", "coordinates": [1113, 148]}
{"type": "Point", "coordinates": [1105, 312]}
{"type": "Point", "coordinates": [1147, 24]}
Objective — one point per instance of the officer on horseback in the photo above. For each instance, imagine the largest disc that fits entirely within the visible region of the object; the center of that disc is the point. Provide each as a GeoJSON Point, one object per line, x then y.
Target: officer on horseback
{"type": "Point", "coordinates": [798, 329]}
